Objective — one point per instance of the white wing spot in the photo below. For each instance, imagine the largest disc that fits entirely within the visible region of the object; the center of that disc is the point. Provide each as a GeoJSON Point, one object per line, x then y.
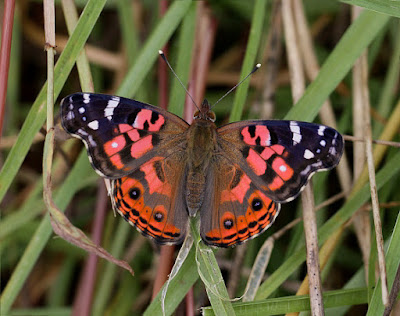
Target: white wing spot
{"type": "Point", "coordinates": [296, 139]}
{"type": "Point", "coordinates": [86, 98]}
{"type": "Point", "coordinates": [295, 129]}
{"type": "Point", "coordinates": [321, 130]}
{"type": "Point", "coordinates": [82, 132]}
{"type": "Point", "coordinates": [322, 143]}
{"type": "Point", "coordinates": [114, 145]}
{"type": "Point", "coordinates": [308, 154]}
{"type": "Point", "coordinates": [84, 118]}
{"type": "Point", "coordinates": [111, 105]}
{"type": "Point", "coordinates": [71, 106]}
{"type": "Point", "coordinates": [81, 110]}
{"type": "Point", "coordinates": [91, 141]}
{"type": "Point", "coordinates": [94, 125]}
{"type": "Point", "coordinates": [70, 116]}
{"type": "Point", "coordinates": [268, 141]}
{"type": "Point", "coordinates": [282, 168]}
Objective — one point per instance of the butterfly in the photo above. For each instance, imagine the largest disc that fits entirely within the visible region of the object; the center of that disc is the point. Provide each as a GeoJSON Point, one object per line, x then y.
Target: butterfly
{"type": "Point", "coordinates": [164, 170]}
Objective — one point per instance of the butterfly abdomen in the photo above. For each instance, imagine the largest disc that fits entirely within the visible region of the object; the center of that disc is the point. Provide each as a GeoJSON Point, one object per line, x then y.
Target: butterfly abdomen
{"type": "Point", "coordinates": [201, 140]}
{"type": "Point", "coordinates": [195, 188]}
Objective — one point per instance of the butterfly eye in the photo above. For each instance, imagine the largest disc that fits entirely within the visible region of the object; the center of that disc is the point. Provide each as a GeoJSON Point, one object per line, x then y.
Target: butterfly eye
{"type": "Point", "coordinates": [196, 115]}
{"type": "Point", "coordinates": [211, 116]}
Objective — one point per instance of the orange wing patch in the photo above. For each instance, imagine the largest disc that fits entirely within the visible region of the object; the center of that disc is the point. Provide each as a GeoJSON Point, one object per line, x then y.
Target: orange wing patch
{"type": "Point", "coordinates": [234, 229]}
{"type": "Point", "coordinates": [132, 198]}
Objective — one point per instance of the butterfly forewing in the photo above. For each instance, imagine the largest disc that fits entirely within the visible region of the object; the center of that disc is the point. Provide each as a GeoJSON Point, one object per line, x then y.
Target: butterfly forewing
{"type": "Point", "coordinates": [120, 134]}
{"type": "Point", "coordinates": [280, 156]}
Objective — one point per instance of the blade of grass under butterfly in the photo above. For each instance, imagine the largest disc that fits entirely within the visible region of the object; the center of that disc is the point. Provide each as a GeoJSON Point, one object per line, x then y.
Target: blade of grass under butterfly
{"type": "Point", "coordinates": [177, 287]}
{"type": "Point", "coordinates": [291, 304]}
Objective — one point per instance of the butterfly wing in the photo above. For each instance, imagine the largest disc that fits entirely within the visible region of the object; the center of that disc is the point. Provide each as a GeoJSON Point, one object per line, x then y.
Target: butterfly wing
{"type": "Point", "coordinates": [150, 198]}
{"type": "Point", "coordinates": [140, 147]}
{"type": "Point", "coordinates": [235, 210]}
{"type": "Point", "coordinates": [280, 156]}
{"type": "Point", "coordinates": [120, 134]}
{"type": "Point", "coordinates": [258, 164]}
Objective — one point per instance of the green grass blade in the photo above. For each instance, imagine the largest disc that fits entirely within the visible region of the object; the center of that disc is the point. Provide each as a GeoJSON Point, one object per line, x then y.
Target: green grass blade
{"type": "Point", "coordinates": [81, 170]}
{"type": "Point", "coordinates": [292, 304]}
{"type": "Point", "coordinates": [103, 292]}
{"type": "Point", "coordinates": [376, 306]}
{"type": "Point", "coordinates": [184, 58]}
{"type": "Point", "coordinates": [149, 53]}
{"type": "Point", "coordinates": [177, 288]}
{"type": "Point", "coordinates": [387, 96]}
{"type": "Point", "coordinates": [338, 64]}
{"type": "Point", "coordinates": [37, 114]}
{"type": "Point", "coordinates": [211, 274]}
{"type": "Point", "coordinates": [388, 7]}
{"type": "Point", "coordinates": [249, 59]}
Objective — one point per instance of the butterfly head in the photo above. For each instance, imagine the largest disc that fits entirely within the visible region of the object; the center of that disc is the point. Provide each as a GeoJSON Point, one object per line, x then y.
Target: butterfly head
{"type": "Point", "coordinates": [205, 113]}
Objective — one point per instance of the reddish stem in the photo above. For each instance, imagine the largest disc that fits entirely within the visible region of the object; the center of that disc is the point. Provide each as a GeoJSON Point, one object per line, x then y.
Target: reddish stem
{"type": "Point", "coordinates": [189, 300]}
{"type": "Point", "coordinates": [84, 294]}
{"type": "Point", "coordinates": [162, 66]}
{"type": "Point", "coordinates": [164, 268]}
{"type": "Point", "coordinates": [6, 36]}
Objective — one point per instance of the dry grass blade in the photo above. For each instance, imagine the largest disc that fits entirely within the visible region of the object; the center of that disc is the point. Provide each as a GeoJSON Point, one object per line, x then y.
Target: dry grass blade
{"type": "Point", "coordinates": [62, 227]}
{"type": "Point", "coordinates": [361, 220]}
{"type": "Point", "coordinates": [362, 128]}
{"type": "Point", "coordinates": [272, 57]}
{"type": "Point", "coordinates": [374, 141]}
{"type": "Point", "coordinates": [311, 69]}
{"type": "Point", "coordinates": [310, 226]}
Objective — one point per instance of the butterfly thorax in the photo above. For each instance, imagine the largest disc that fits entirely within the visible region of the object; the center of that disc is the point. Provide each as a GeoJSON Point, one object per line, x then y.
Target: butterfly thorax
{"type": "Point", "coordinates": [202, 143]}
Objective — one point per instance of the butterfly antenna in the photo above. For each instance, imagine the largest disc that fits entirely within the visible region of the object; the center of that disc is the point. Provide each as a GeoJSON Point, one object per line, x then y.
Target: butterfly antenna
{"type": "Point", "coordinates": [176, 76]}
{"type": "Point", "coordinates": [256, 67]}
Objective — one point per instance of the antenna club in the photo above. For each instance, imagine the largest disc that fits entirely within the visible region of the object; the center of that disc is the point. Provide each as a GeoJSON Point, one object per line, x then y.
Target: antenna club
{"type": "Point", "coordinates": [160, 52]}
{"type": "Point", "coordinates": [258, 65]}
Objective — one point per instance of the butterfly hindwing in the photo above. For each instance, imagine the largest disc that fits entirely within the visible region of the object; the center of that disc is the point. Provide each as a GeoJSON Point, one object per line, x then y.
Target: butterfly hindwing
{"type": "Point", "coordinates": [236, 210]}
{"type": "Point", "coordinates": [120, 134]}
{"type": "Point", "coordinates": [150, 198]}
{"type": "Point", "coordinates": [280, 156]}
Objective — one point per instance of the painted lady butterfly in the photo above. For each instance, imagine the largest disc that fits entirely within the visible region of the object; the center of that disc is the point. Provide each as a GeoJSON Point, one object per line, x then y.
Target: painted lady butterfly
{"type": "Point", "coordinates": [164, 170]}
